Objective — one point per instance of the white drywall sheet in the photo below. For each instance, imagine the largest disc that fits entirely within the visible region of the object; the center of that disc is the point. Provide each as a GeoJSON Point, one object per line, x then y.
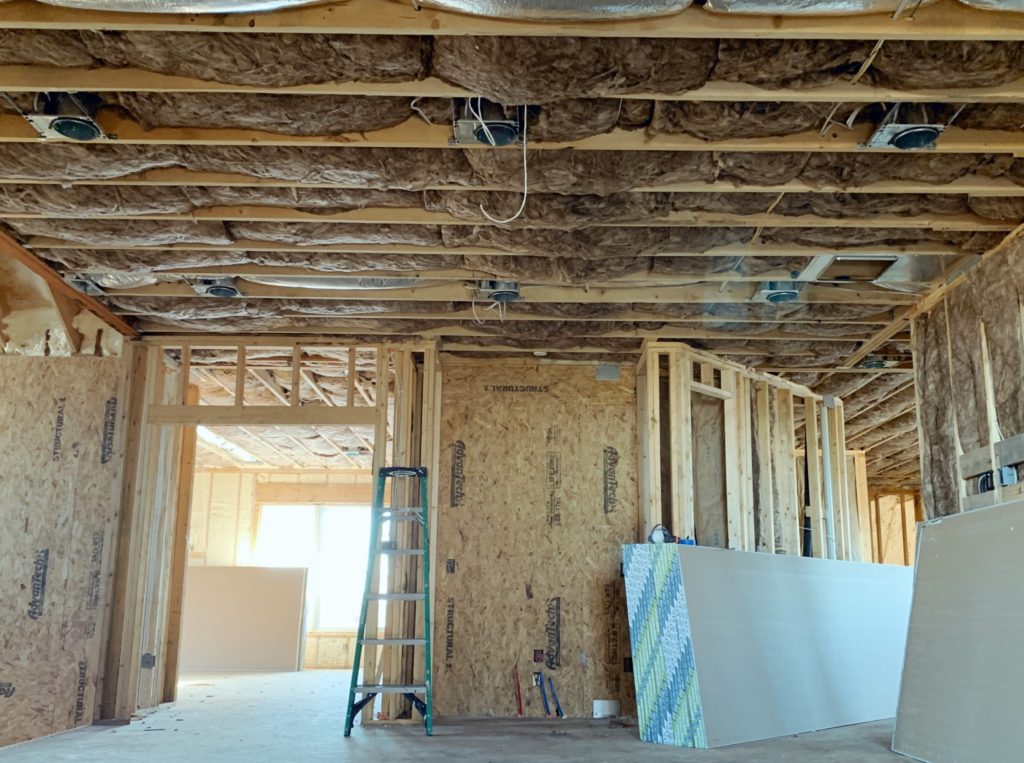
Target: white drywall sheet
{"type": "Point", "coordinates": [963, 682]}
{"type": "Point", "coordinates": [243, 618]}
{"type": "Point", "coordinates": [770, 644]}
{"type": "Point", "coordinates": [785, 644]}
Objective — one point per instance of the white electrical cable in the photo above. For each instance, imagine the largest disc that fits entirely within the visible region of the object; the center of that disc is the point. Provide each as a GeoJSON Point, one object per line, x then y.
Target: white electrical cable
{"type": "Point", "coordinates": [477, 114]}
{"type": "Point", "coordinates": [418, 110]}
{"type": "Point", "coordinates": [526, 185]}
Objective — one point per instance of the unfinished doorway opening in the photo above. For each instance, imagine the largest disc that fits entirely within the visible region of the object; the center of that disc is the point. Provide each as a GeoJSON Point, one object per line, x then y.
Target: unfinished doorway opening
{"type": "Point", "coordinates": [240, 445]}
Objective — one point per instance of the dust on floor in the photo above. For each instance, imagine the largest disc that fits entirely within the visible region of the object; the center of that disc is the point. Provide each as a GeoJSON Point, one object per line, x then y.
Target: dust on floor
{"type": "Point", "coordinates": [299, 717]}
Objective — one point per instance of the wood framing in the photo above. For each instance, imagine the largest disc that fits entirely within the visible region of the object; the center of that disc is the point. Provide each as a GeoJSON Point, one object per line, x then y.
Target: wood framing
{"type": "Point", "coordinates": [762, 507]}
{"type": "Point", "coordinates": [415, 133]}
{"type": "Point", "coordinates": [179, 553]}
{"type": "Point", "coordinates": [60, 289]}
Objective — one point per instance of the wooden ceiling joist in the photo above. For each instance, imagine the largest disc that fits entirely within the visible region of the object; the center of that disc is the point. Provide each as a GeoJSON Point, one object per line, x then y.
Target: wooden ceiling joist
{"type": "Point", "coordinates": [416, 134]}
{"type": "Point", "coordinates": [399, 216]}
{"type": "Point", "coordinates": [244, 245]}
{"type": "Point", "coordinates": [974, 186]}
{"type": "Point", "coordinates": [698, 293]}
{"type": "Point", "coordinates": [866, 324]}
{"type": "Point", "coordinates": [945, 20]}
{"type": "Point", "coordinates": [668, 333]}
{"type": "Point", "coordinates": [242, 271]}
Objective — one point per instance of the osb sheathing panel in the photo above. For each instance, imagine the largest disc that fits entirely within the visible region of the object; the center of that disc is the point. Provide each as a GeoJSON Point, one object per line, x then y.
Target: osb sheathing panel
{"type": "Point", "coordinates": [538, 491]}
{"type": "Point", "coordinates": [58, 506]}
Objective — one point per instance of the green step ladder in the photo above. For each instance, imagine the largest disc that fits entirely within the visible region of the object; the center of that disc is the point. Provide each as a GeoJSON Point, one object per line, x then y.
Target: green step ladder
{"type": "Point", "coordinates": [367, 692]}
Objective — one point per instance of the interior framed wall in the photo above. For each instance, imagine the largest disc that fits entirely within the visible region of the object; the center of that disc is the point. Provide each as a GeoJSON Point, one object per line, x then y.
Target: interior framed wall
{"type": "Point", "coordinates": [707, 421]}
{"type": "Point", "coordinates": [163, 412]}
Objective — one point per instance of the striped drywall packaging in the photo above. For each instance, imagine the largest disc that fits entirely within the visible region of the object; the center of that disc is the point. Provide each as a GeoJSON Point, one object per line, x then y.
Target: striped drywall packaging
{"type": "Point", "coordinates": [667, 693]}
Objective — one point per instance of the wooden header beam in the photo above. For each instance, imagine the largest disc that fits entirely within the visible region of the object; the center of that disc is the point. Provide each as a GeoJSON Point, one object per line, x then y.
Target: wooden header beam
{"type": "Point", "coordinates": [60, 288]}
{"type": "Point", "coordinates": [945, 20]}
{"type": "Point", "coordinates": [261, 415]}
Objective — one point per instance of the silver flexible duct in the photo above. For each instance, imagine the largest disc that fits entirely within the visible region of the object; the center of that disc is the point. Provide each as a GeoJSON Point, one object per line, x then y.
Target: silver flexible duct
{"type": "Point", "coordinates": [182, 6]}
{"type": "Point", "coordinates": [341, 282]}
{"type": "Point", "coordinates": [809, 7]}
{"type": "Point", "coordinates": [561, 10]}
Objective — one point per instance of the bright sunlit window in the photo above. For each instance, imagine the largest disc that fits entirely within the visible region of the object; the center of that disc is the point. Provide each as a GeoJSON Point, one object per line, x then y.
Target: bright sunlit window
{"type": "Point", "coordinates": [332, 542]}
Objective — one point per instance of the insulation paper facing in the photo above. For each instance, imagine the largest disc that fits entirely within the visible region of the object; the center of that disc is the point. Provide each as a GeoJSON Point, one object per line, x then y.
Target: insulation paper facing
{"type": "Point", "coordinates": [811, 7]}
{"type": "Point", "coordinates": [562, 10]}
{"type": "Point", "coordinates": [182, 6]}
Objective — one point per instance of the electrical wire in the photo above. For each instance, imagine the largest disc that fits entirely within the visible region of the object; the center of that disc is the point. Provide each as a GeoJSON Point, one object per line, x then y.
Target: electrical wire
{"type": "Point", "coordinates": [526, 180]}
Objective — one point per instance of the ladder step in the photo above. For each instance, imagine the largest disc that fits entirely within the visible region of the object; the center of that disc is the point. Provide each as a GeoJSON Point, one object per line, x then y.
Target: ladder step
{"type": "Point", "coordinates": [403, 471]}
{"type": "Point", "coordinates": [389, 689]}
{"type": "Point", "coordinates": [402, 551]}
{"type": "Point", "coordinates": [395, 641]}
{"type": "Point", "coordinates": [411, 513]}
{"type": "Point", "coordinates": [395, 596]}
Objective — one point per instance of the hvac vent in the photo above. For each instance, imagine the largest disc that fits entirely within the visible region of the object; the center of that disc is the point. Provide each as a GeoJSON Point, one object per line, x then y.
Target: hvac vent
{"type": "Point", "coordinates": [878, 363]}
{"type": "Point", "coordinates": [779, 292]}
{"type": "Point", "coordinates": [66, 116]}
{"type": "Point", "coordinates": [892, 132]}
{"type": "Point", "coordinates": [223, 288]}
{"type": "Point", "coordinates": [499, 291]}
{"type": "Point", "coordinates": [86, 285]}
{"type": "Point", "coordinates": [481, 122]}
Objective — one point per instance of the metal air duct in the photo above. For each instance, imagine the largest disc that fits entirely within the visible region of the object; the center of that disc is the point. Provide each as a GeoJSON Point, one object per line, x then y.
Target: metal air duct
{"type": "Point", "coordinates": [561, 10]}
{"type": "Point", "coordinates": [811, 7]}
{"type": "Point", "coordinates": [342, 282]}
{"type": "Point", "coordinates": [181, 6]}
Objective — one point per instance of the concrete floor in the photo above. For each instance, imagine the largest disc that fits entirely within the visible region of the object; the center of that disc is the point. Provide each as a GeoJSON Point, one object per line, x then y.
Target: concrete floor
{"type": "Point", "coordinates": [299, 716]}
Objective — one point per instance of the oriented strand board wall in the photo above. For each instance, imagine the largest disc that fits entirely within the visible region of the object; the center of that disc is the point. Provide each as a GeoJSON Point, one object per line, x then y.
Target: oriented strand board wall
{"type": "Point", "coordinates": [60, 472]}
{"type": "Point", "coordinates": [969, 359]}
{"type": "Point", "coordinates": [538, 492]}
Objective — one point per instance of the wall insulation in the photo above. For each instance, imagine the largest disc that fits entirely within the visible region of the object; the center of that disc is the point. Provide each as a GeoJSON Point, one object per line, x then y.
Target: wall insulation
{"type": "Point", "coordinates": [969, 356]}
{"type": "Point", "coordinates": [61, 457]}
{"type": "Point", "coordinates": [538, 490]}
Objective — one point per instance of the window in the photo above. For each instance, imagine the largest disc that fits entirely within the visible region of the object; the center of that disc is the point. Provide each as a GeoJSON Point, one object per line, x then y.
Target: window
{"type": "Point", "coordinates": [331, 541]}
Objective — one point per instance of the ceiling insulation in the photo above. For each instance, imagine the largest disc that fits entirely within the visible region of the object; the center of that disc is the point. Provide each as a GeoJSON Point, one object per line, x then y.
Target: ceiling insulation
{"type": "Point", "coordinates": [665, 225]}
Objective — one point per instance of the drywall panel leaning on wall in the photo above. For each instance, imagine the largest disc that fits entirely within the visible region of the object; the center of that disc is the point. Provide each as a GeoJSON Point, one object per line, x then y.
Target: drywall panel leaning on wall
{"type": "Point", "coordinates": [243, 618]}
{"type": "Point", "coordinates": [963, 680]}
{"type": "Point", "coordinates": [734, 646]}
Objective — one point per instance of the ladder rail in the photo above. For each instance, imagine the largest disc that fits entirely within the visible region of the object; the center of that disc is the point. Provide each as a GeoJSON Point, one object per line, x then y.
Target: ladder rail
{"type": "Point", "coordinates": [377, 552]}
{"type": "Point", "coordinates": [372, 559]}
{"type": "Point", "coordinates": [428, 716]}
